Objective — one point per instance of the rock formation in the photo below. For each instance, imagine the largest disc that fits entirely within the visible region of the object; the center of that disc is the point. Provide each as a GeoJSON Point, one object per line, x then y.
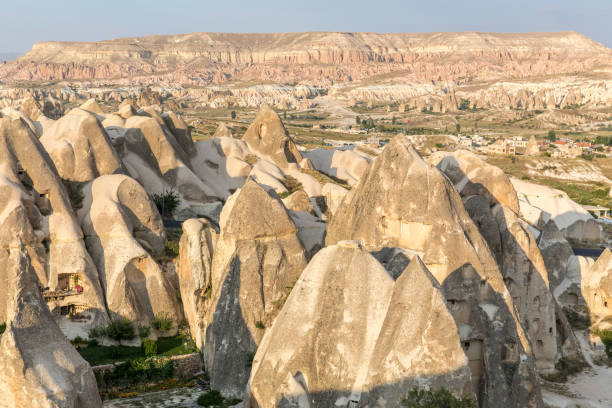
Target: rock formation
{"type": "Point", "coordinates": [390, 212]}
{"type": "Point", "coordinates": [212, 57]}
{"type": "Point", "coordinates": [124, 233]}
{"type": "Point", "coordinates": [257, 259]}
{"type": "Point", "coordinates": [268, 137]}
{"type": "Point", "coordinates": [37, 209]}
{"type": "Point", "coordinates": [512, 243]}
{"type": "Point", "coordinates": [38, 365]}
{"type": "Point", "coordinates": [472, 176]}
{"type": "Point", "coordinates": [223, 131]}
{"type": "Point", "coordinates": [194, 272]}
{"type": "Point", "coordinates": [360, 337]}
{"type": "Point", "coordinates": [597, 290]}
{"type": "Point", "coordinates": [532, 148]}
{"type": "Point", "coordinates": [80, 147]}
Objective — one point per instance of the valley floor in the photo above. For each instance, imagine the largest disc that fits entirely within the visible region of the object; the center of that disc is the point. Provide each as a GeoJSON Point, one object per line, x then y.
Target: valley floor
{"type": "Point", "coordinates": [174, 398]}
{"type": "Point", "coordinates": [589, 389]}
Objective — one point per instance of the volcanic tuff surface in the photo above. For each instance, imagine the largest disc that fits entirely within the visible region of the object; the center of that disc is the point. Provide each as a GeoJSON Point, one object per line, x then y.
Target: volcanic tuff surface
{"type": "Point", "coordinates": [218, 56]}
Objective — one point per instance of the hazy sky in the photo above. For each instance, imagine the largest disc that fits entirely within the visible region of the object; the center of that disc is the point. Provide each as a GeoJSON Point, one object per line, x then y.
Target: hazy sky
{"type": "Point", "coordinates": [24, 22]}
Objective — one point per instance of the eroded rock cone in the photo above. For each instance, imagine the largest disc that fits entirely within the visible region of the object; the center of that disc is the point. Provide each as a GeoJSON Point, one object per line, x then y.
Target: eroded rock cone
{"type": "Point", "coordinates": [195, 261]}
{"type": "Point", "coordinates": [223, 131]}
{"type": "Point", "coordinates": [258, 258]}
{"type": "Point", "coordinates": [38, 365]}
{"type": "Point", "coordinates": [36, 208]}
{"type": "Point", "coordinates": [492, 203]}
{"type": "Point", "coordinates": [403, 206]}
{"type": "Point", "coordinates": [473, 176]}
{"type": "Point", "coordinates": [348, 332]}
{"type": "Point", "coordinates": [80, 147]}
{"type": "Point", "coordinates": [267, 136]}
{"type": "Point", "coordinates": [597, 290]}
{"type": "Point", "coordinates": [124, 232]}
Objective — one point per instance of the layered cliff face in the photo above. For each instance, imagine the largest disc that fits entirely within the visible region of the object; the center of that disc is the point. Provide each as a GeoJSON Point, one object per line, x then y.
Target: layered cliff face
{"type": "Point", "coordinates": [220, 55]}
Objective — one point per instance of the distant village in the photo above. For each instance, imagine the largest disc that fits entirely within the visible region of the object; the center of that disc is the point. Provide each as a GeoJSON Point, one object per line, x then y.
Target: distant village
{"type": "Point", "coordinates": [559, 148]}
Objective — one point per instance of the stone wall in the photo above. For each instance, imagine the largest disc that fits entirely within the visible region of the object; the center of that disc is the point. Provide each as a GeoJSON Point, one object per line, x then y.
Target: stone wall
{"type": "Point", "coordinates": [186, 365]}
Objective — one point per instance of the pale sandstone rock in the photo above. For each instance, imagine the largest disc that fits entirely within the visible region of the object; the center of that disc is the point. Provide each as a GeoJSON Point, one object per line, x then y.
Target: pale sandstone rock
{"type": "Point", "coordinates": [223, 131]}
{"type": "Point", "coordinates": [532, 148]}
{"type": "Point", "coordinates": [124, 231]}
{"type": "Point", "coordinates": [366, 345]}
{"type": "Point", "coordinates": [257, 259]}
{"type": "Point", "coordinates": [39, 368]}
{"type": "Point", "coordinates": [597, 290]}
{"type": "Point", "coordinates": [80, 147]}
{"type": "Point", "coordinates": [473, 176]}
{"type": "Point", "coordinates": [268, 137]}
{"type": "Point", "coordinates": [402, 202]}
{"type": "Point", "coordinates": [299, 201]}
{"type": "Point", "coordinates": [512, 243]}
{"type": "Point", "coordinates": [36, 209]}
{"type": "Point", "coordinates": [194, 273]}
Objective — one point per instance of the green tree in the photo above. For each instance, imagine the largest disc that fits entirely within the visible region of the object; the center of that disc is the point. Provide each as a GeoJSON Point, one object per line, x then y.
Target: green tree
{"type": "Point", "coordinates": [358, 120]}
{"type": "Point", "coordinates": [166, 203]}
{"type": "Point", "coordinates": [233, 114]}
{"type": "Point", "coordinates": [393, 120]}
{"type": "Point", "coordinates": [458, 127]}
{"type": "Point", "coordinates": [552, 136]}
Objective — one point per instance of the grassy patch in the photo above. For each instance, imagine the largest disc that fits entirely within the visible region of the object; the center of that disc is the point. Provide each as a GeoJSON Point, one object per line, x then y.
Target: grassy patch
{"type": "Point", "coordinates": [324, 178]}
{"type": "Point", "coordinates": [166, 347]}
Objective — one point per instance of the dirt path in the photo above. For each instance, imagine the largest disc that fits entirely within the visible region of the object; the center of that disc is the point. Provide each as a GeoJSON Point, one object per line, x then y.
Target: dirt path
{"type": "Point", "coordinates": [174, 398]}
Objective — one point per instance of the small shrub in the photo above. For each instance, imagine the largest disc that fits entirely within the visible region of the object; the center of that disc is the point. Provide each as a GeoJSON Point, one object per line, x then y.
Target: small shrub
{"type": "Point", "coordinates": [259, 324]}
{"type": "Point", "coordinates": [149, 347]}
{"type": "Point", "coordinates": [291, 184]}
{"type": "Point", "coordinates": [233, 114]}
{"type": "Point", "coordinates": [251, 159]}
{"type": "Point", "coordinates": [441, 398]}
{"type": "Point", "coordinates": [2, 328]}
{"type": "Point", "coordinates": [75, 194]}
{"type": "Point", "coordinates": [606, 338]}
{"type": "Point", "coordinates": [166, 203]}
{"type": "Point", "coordinates": [97, 332]}
{"type": "Point", "coordinates": [210, 398]}
{"type": "Point", "coordinates": [250, 358]}
{"type": "Point", "coordinates": [144, 331]}
{"type": "Point", "coordinates": [171, 249]}
{"type": "Point", "coordinates": [162, 322]}
{"type": "Point", "coordinates": [92, 343]}
{"type": "Point", "coordinates": [120, 329]}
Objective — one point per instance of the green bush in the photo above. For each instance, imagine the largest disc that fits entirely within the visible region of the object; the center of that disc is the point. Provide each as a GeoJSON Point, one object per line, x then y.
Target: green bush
{"type": "Point", "coordinates": [2, 328]}
{"type": "Point", "coordinates": [259, 324]}
{"type": "Point", "coordinates": [442, 398]}
{"type": "Point", "coordinates": [120, 329]}
{"type": "Point", "coordinates": [163, 322]}
{"type": "Point", "coordinates": [96, 332]}
{"type": "Point", "coordinates": [166, 203]}
{"type": "Point", "coordinates": [606, 338]}
{"type": "Point", "coordinates": [144, 331]}
{"type": "Point", "coordinates": [137, 371]}
{"type": "Point", "coordinates": [210, 398]}
{"type": "Point", "coordinates": [171, 249]}
{"type": "Point", "coordinates": [149, 347]}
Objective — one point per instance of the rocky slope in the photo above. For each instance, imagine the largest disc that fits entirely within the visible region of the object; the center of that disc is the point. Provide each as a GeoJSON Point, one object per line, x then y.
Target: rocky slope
{"type": "Point", "coordinates": [220, 56]}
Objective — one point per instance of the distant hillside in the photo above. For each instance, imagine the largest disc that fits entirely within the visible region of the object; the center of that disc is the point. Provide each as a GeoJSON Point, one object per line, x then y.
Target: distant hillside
{"type": "Point", "coordinates": [327, 56]}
